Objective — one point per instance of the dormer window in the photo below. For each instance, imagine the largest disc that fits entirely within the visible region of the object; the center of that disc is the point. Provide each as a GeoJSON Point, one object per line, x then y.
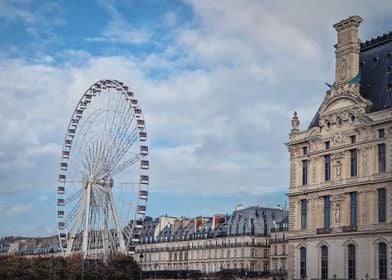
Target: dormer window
{"type": "Point", "coordinates": [304, 150]}
{"type": "Point", "coordinates": [381, 133]}
{"type": "Point", "coordinates": [339, 121]}
{"type": "Point", "coordinates": [327, 144]}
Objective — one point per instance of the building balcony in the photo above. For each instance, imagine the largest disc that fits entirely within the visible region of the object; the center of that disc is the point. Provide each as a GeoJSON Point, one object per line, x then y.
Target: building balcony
{"type": "Point", "coordinates": [324, 230]}
{"type": "Point", "coordinates": [350, 228]}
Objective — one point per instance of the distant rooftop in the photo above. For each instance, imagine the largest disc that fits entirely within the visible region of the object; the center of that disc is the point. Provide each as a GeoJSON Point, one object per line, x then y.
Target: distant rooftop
{"type": "Point", "coordinates": [254, 221]}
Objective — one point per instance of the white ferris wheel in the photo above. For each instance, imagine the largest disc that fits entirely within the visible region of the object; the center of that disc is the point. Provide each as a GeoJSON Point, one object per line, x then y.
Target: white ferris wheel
{"type": "Point", "coordinates": [103, 183]}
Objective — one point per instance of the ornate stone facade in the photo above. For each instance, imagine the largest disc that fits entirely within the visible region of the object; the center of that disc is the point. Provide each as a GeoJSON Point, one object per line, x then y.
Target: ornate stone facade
{"type": "Point", "coordinates": [340, 172]}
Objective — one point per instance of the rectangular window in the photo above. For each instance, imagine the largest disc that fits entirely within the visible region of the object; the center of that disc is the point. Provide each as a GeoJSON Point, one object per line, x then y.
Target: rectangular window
{"type": "Point", "coordinates": [327, 161]}
{"type": "Point", "coordinates": [382, 261]}
{"type": "Point", "coordinates": [327, 212]}
{"type": "Point", "coordinates": [381, 133]}
{"type": "Point", "coordinates": [353, 139]}
{"type": "Point", "coordinates": [353, 209]}
{"type": "Point", "coordinates": [304, 172]}
{"type": "Point", "coordinates": [302, 261]}
{"type": "Point", "coordinates": [353, 163]}
{"type": "Point", "coordinates": [304, 213]}
{"type": "Point", "coordinates": [382, 205]}
{"type": "Point", "coordinates": [351, 262]}
{"type": "Point", "coordinates": [324, 262]}
{"type": "Point", "coordinates": [305, 150]}
{"type": "Point", "coordinates": [327, 145]}
{"type": "Point", "coordinates": [381, 158]}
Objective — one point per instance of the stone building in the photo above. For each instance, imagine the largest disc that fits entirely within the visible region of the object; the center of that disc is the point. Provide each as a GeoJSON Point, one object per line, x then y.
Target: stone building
{"type": "Point", "coordinates": [278, 250]}
{"type": "Point", "coordinates": [236, 242]}
{"type": "Point", "coordinates": [340, 168]}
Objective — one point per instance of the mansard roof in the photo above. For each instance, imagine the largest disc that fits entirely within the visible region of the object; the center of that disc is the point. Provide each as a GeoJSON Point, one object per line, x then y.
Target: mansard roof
{"type": "Point", "coordinates": [249, 221]}
{"type": "Point", "coordinates": [375, 74]}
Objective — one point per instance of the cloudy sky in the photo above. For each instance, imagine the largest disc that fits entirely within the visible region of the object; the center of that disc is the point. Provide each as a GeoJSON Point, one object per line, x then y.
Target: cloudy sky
{"type": "Point", "coordinates": [218, 82]}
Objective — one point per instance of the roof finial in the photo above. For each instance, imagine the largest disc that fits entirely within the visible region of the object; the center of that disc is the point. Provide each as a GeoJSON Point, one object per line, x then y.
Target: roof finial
{"type": "Point", "coordinates": [295, 123]}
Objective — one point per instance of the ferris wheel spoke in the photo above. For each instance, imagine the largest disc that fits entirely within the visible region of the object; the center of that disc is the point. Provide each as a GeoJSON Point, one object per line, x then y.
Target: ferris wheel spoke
{"type": "Point", "coordinates": [72, 214]}
{"type": "Point", "coordinates": [120, 144]}
{"type": "Point", "coordinates": [74, 196]}
{"type": "Point", "coordinates": [121, 149]}
{"type": "Point", "coordinates": [125, 146]}
{"type": "Point", "coordinates": [125, 165]}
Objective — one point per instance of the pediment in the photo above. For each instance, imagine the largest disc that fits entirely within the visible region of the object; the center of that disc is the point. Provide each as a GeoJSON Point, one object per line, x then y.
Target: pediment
{"type": "Point", "coordinates": [342, 104]}
{"type": "Point", "coordinates": [339, 103]}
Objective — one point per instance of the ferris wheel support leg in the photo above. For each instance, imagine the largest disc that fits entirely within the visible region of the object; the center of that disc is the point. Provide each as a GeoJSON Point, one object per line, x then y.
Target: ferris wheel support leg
{"type": "Point", "coordinates": [74, 228]}
{"type": "Point", "coordinates": [86, 223]}
{"type": "Point", "coordinates": [118, 228]}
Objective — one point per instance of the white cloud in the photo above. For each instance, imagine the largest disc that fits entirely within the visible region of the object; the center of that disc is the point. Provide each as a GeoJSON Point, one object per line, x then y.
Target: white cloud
{"type": "Point", "coordinates": [118, 29]}
{"type": "Point", "coordinates": [18, 209]}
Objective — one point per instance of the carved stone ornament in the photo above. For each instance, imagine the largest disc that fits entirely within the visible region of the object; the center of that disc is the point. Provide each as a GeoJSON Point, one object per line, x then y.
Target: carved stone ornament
{"type": "Point", "coordinates": [337, 197]}
{"type": "Point", "coordinates": [339, 139]}
{"type": "Point", "coordinates": [295, 123]}
{"type": "Point", "coordinates": [337, 213]}
{"type": "Point", "coordinates": [343, 68]}
{"type": "Point", "coordinates": [338, 167]}
{"type": "Point", "coordinates": [294, 151]}
{"type": "Point", "coordinates": [338, 156]}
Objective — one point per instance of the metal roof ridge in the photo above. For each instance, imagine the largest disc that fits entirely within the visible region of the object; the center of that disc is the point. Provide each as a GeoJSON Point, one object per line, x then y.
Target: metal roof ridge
{"type": "Point", "coordinates": [375, 42]}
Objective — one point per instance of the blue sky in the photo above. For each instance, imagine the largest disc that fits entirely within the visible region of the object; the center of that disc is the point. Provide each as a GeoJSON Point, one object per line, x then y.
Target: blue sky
{"type": "Point", "coordinates": [218, 82]}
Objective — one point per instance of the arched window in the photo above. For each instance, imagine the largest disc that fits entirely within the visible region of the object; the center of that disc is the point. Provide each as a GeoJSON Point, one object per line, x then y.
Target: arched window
{"type": "Point", "coordinates": [324, 262]}
{"type": "Point", "coordinates": [351, 261]}
{"type": "Point", "coordinates": [382, 260]}
{"type": "Point", "coordinates": [302, 262]}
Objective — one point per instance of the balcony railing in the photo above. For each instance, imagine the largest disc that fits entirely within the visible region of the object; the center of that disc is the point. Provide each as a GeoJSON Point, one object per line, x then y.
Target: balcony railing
{"type": "Point", "coordinates": [350, 228]}
{"type": "Point", "coordinates": [205, 246]}
{"type": "Point", "coordinates": [323, 230]}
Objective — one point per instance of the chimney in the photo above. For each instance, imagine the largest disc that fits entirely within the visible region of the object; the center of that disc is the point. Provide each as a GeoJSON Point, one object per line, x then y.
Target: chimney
{"type": "Point", "coordinates": [347, 49]}
{"type": "Point", "coordinates": [217, 219]}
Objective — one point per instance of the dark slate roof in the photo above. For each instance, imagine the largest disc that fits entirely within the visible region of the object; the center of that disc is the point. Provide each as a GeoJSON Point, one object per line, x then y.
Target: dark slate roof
{"type": "Point", "coordinates": [376, 74]}
{"type": "Point", "coordinates": [147, 233]}
{"type": "Point", "coordinates": [257, 221]}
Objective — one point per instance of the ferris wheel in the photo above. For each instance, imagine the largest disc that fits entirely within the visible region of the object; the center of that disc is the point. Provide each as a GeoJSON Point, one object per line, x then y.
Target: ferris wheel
{"type": "Point", "coordinates": [103, 183]}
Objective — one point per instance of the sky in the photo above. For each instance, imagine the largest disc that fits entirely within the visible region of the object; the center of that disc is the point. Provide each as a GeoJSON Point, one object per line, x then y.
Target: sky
{"type": "Point", "coordinates": [218, 82]}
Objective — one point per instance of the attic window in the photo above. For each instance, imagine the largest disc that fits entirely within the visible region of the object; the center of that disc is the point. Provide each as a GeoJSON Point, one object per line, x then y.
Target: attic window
{"type": "Point", "coordinates": [362, 63]}
{"type": "Point", "coordinates": [328, 124]}
{"type": "Point", "coordinates": [389, 69]}
{"type": "Point", "coordinates": [352, 118]}
{"type": "Point", "coordinates": [389, 54]}
{"type": "Point", "coordinates": [375, 59]}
